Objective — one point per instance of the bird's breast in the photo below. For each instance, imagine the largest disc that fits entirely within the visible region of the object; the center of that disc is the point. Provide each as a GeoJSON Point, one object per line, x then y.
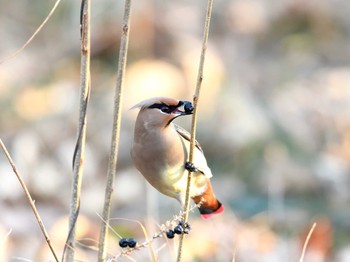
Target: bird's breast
{"type": "Point", "coordinates": [160, 158]}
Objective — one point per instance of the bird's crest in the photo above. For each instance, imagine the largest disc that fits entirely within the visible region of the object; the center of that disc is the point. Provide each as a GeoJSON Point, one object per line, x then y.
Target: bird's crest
{"type": "Point", "coordinates": [148, 102]}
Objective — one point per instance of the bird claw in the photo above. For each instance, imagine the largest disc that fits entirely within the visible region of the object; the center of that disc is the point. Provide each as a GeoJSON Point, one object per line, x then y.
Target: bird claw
{"type": "Point", "coordinates": [190, 167]}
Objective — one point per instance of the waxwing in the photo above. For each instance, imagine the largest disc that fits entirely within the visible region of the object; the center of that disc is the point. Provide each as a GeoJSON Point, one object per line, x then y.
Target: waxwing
{"type": "Point", "coordinates": [160, 152]}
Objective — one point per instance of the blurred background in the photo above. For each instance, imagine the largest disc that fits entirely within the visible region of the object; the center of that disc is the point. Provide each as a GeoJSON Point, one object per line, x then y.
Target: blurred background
{"type": "Point", "coordinates": [274, 122]}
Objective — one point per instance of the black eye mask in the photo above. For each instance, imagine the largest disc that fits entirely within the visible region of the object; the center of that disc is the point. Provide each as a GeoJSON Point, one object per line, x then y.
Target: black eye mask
{"type": "Point", "coordinates": [166, 108]}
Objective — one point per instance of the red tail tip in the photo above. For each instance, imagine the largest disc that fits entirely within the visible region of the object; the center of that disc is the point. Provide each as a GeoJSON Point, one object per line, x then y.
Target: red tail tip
{"type": "Point", "coordinates": [218, 211]}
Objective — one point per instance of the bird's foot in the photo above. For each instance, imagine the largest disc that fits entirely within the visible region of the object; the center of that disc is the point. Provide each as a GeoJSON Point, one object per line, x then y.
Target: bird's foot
{"type": "Point", "coordinates": [190, 167]}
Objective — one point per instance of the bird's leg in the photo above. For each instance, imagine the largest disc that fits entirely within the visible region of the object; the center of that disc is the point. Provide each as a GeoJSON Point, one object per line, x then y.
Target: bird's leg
{"type": "Point", "coordinates": [191, 167]}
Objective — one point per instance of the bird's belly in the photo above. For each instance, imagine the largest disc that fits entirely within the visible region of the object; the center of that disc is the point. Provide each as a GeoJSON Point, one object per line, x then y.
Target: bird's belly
{"type": "Point", "coordinates": [167, 174]}
{"type": "Point", "coordinates": [173, 181]}
{"type": "Point", "coordinates": [166, 180]}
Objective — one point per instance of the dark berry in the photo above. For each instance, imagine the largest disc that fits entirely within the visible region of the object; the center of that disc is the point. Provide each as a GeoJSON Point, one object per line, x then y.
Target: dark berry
{"type": "Point", "coordinates": [178, 229]}
{"type": "Point", "coordinates": [123, 242]}
{"type": "Point", "coordinates": [188, 107]}
{"type": "Point", "coordinates": [132, 242]}
{"type": "Point", "coordinates": [170, 233]}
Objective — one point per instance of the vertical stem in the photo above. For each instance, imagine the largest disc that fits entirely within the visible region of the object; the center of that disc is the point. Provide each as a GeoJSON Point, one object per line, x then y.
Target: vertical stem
{"type": "Point", "coordinates": [78, 158]}
{"type": "Point", "coordinates": [112, 164]}
{"type": "Point", "coordinates": [194, 116]}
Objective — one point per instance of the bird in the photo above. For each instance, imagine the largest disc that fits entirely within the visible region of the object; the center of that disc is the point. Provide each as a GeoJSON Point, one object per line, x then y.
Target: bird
{"type": "Point", "coordinates": [160, 152]}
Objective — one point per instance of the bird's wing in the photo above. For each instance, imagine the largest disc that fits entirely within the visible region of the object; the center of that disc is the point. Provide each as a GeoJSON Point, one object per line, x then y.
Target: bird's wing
{"type": "Point", "coordinates": [186, 135]}
{"type": "Point", "coordinates": [199, 158]}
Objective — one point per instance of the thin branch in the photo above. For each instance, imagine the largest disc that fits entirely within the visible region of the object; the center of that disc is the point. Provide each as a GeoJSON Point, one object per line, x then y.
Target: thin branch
{"type": "Point", "coordinates": [148, 242]}
{"type": "Point", "coordinates": [307, 242]}
{"type": "Point", "coordinates": [194, 117]}
{"type": "Point", "coordinates": [31, 202]}
{"type": "Point", "coordinates": [112, 164]}
{"type": "Point", "coordinates": [78, 156]}
{"type": "Point", "coordinates": [33, 35]}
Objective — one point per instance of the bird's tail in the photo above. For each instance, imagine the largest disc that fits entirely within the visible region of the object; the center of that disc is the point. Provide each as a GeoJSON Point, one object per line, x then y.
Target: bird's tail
{"type": "Point", "coordinates": [209, 205]}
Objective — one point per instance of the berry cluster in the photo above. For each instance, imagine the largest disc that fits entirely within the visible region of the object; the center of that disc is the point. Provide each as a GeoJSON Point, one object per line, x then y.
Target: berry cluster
{"type": "Point", "coordinates": [181, 228]}
{"type": "Point", "coordinates": [130, 242]}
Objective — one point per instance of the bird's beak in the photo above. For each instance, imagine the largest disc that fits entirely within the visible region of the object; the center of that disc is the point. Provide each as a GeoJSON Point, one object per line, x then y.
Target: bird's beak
{"type": "Point", "coordinates": [185, 108]}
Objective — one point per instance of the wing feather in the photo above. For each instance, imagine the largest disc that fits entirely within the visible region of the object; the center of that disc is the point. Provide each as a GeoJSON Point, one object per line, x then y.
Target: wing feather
{"type": "Point", "coordinates": [199, 161]}
{"type": "Point", "coordinates": [186, 135]}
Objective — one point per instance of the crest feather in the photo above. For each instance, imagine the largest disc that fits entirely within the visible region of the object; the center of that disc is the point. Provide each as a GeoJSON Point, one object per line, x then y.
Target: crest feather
{"type": "Point", "coordinates": [148, 102]}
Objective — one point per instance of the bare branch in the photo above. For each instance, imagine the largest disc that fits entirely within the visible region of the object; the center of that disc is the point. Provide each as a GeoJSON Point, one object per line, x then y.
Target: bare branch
{"type": "Point", "coordinates": [112, 164]}
{"type": "Point", "coordinates": [148, 242]}
{"type": "Point", "coordinates": [78, 156]}
{"type": "Point", "coordinates": [31, 202]}
{"type": "Point", "coordinates": [307, 242]}
{"type": "Point", "coordinates": [194, 117]}
{"type": "Point", "coordinates": [14, 54]}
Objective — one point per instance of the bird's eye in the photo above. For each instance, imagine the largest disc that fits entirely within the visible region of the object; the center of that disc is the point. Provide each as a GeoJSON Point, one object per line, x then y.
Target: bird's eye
{"type": "Point", "coordinates": [165, 109]}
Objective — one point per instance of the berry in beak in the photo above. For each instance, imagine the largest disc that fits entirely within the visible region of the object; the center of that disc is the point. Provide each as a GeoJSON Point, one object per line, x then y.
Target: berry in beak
{"type": "Point", "coordinates": [185, 108]}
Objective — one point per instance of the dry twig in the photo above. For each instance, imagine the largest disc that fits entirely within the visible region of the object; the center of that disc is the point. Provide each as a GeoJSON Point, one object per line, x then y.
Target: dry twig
{"type": "Point", "coordinates": [112, 164]}
{"type": "Point", "coordinates": [306, 242]}
{"type": "Point", "coordinates": [32, 36]}
{"type": "Point", "coordinates": [78, 156]}
{"type": "Point", "coordinates": [194, 117]}
{"type": "Point", "coordinates": [31, 201]}
{"type": "Point", "coordinates": [147, 243]}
